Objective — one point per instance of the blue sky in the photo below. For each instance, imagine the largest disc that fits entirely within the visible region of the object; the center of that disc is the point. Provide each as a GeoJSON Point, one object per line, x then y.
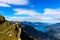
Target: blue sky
{"type": "Point", "coordinates": [31, 10]}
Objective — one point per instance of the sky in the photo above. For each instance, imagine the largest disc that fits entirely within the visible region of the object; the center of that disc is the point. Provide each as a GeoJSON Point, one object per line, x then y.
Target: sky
{"type": "Point", "coordinates": [47, 11]}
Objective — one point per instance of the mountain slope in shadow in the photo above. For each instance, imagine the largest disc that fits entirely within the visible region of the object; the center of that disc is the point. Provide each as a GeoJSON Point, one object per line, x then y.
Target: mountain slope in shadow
{"type": "Point", "coordinates": [38, 35]}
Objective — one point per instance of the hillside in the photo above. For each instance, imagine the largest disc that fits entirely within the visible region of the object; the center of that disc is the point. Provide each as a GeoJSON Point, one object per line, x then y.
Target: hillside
{"type": "Point", "coordinates": [10, 30]}
{"type": "Point", "coordinates": [54, 30]}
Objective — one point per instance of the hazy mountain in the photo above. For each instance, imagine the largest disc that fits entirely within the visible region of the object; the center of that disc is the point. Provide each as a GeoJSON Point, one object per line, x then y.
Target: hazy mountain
{"type": "Point", "coordinates": [29, 30]}
{"type": "Point", "coordinates": [54, 30]}
{"type": "Point", "coordinates": [35, 24]}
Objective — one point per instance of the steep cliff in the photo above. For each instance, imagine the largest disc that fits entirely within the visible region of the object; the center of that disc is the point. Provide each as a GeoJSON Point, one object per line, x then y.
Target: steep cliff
{"type": "Point", "coordinates": [11, 30]}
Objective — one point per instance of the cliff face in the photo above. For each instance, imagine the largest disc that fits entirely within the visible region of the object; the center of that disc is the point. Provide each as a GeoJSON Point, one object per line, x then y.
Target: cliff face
{"type": "Point", "coordinates": [11, 31]}
{"type": "Point", "coordinates": [8, 31]}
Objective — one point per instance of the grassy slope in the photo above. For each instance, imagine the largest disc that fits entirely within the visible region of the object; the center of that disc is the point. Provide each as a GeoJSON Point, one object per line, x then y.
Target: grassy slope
{"type": "Point", "coordinates": [6, 30]}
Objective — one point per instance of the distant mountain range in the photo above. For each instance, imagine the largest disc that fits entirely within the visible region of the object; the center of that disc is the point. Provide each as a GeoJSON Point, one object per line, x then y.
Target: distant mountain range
{"type": "Point", "coordinates": [37, 25]}
{"type": "Point", "coordinates": [54, 30]}
{"type": "Point", "coordinates": [52, 34]}
{"type": "Point", "coordinates": [29, 30]}
{"type": "Point", "coordinates": [39, 35]}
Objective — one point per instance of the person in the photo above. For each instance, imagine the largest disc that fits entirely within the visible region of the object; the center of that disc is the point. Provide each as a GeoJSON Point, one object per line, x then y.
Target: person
{"type": "Point", "coordinates": [9, 31]}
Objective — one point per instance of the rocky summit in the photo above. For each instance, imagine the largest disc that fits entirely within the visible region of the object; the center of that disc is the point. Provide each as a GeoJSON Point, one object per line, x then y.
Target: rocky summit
{"type": "Point", "coordinates": [8, 31]}
{"type": "Point", "coordinates": [11, 31]}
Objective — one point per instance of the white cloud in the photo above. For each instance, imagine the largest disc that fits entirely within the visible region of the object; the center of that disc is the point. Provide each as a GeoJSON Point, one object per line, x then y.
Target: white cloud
{"type": "Point", "coordinates": [50, 15]}
{"type": "Point", "coordinates": [4, 5]}
{"type": "Point", "coordinates": [16, 2]}
{"type": "Point", "coordinates": [33, 16]}
{"type": "Point", "coordinates": [17, 18]}
{"type": "Point", "coordinates": [53, 13]}
{"type": "Point", "coordinates": [24, 11]}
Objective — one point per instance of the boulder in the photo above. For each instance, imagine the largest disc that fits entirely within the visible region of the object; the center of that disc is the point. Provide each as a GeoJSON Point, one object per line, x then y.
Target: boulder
{"type": "Point", "coordinates": [2, 19]}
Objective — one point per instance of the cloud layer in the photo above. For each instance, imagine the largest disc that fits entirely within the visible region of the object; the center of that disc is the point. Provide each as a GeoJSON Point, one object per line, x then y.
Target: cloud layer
{"type": "Point", "coordinates": [16, 2]}
{"type": "Point", "coordinates": [49, 15]}
{"type": "Point", "coordinates": [4, 5]}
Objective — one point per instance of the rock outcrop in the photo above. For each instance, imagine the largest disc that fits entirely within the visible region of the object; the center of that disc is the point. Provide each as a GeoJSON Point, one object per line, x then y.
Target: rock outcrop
{"type": "Point", "coordinates": [2, 19]}
{"type": "Point", "coordinates": [11, 31]}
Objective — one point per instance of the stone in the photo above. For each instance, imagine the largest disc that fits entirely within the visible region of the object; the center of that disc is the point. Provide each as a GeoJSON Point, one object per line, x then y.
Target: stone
{"type": "Point", "coordinates": [2, 19]}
